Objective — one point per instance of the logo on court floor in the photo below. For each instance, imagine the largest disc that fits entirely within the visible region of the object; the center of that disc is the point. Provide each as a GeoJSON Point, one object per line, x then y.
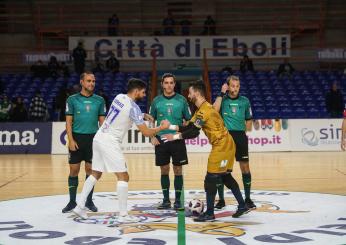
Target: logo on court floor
{"type": "Point", "coordinates": [280, 217]}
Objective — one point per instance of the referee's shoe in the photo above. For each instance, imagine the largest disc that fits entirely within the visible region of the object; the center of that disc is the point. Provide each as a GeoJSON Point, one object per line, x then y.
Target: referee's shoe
{"type": "Point", "coordinates": [91, 206]}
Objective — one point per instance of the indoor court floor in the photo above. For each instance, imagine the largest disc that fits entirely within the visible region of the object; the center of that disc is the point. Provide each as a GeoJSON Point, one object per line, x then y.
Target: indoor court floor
{"type": "Point", "coordinates": [300, 198]}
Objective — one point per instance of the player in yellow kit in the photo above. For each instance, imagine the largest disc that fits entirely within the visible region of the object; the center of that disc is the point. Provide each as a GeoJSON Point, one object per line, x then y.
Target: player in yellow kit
{"type": "Point", "coordinates": [222, 153]}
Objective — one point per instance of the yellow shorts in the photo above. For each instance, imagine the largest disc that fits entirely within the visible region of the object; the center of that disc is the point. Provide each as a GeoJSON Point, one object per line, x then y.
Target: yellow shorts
{"type": "Point", "coordinates": [221, 157]}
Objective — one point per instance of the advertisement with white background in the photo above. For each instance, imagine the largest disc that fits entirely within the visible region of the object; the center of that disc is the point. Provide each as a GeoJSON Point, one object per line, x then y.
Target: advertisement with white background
{"type": "Point", "coordinates": [315, 134]}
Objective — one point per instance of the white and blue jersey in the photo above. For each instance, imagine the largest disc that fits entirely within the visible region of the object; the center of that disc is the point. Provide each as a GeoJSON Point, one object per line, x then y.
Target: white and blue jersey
{"type": "Point", "coordinates": [107, 153]}
{"type": "Point", "coordinates": [123, 112]}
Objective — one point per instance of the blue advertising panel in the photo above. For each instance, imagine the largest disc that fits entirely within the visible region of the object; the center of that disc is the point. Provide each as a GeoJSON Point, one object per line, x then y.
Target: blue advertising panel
{"type": "Point", "coordinates": [25, 138]}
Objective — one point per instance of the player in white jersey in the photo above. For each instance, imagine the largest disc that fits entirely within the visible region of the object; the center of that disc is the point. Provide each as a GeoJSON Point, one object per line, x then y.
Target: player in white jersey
{"type": "Point", "coordinates": [107, 154]}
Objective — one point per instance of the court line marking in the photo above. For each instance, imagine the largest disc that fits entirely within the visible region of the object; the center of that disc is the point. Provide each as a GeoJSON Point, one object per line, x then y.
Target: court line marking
{"type": "Point", "coordinates": [12, 180]}
{"type": "Point", "coordinates": [340, 171]}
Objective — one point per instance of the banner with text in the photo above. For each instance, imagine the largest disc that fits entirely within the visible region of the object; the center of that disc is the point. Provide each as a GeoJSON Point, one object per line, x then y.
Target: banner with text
{"type": "Point", "coordinates": [182, 47]}
{"type": "Point", "coordinates": [25, 138]}
{"type": "Point", "coordinates": [59, 138]}
{"type": "Point", "coordinates": [315, 134]}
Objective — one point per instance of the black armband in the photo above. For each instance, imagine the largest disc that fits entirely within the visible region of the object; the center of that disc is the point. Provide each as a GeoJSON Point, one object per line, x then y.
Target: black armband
{"type": "Point", "coordinates": [222, 94]}
{"type": "Point", "coordinates": [190, 131]}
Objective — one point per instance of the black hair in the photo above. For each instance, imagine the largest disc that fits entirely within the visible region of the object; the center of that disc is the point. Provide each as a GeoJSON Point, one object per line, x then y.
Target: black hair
{"type": "Point", "coordinates": [135, 83]}
{"type": "Point", "coordinates": [167, 75]}
{"type": "Point", "coordinates": [199, 86]}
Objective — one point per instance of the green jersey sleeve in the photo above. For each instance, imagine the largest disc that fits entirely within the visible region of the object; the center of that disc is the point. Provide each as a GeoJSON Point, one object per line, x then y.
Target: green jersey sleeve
{"type": "Point", "coordinates": [69, 107]}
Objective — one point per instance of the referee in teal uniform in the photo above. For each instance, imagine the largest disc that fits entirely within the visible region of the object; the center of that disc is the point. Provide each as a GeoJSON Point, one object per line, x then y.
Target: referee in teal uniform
{"type": "Point", "coordinates": [85, 112]}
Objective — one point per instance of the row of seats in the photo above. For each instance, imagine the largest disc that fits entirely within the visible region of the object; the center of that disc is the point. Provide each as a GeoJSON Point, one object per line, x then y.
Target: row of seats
{"type": "Point", "coordinates": [301, 95]}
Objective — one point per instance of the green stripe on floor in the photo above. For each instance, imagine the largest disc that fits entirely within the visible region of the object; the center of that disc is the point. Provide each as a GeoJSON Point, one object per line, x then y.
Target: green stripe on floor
{"type": "Point", "coordinates": [181, 221]}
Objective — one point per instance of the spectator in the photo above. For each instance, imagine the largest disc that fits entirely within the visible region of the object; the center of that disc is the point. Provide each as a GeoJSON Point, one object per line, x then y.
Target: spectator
{"type": "Point", "coordinates": [38, 108]}
{"type": "Point", "coordinates": [285, 69]}
{"type": "Point", "coordinates": [168, 25]}
{"type": "Point", "coordinates": [98, 68]}
{"type": "Point", "coordinates": [79, 55]}
{"type": "Point", "coordinates": [60, 103]}
{"type": "Point", "coordinates": [5, 107]}
{"type": "Point", "coordinates": [64, 70]}
{"type": "Point", "coordinates": [39, 70]}
{"type": "Point", "coordinates": [113, 25]}
{"type": "Point", "coordinates": [53, 67]}
{"type": "Point", "coordinates": [209, 26]}
{"type": "Point", "coordinates": [112, 64]}
{"type": "Point", "coordinates": [185, 27]}
{"type": "Point", "coordinates": [334, 102]}
{"type": "Point", "coordinates": [18, 112]}
{"type": "Point", "coordinates": [227, 69]}
{"type": "Point", "coordinates": [246, 64]}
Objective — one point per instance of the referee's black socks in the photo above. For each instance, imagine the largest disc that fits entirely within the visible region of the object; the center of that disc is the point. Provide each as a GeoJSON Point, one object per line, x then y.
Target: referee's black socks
{"type": "Point", "coordinates": [72, 187]}
{"type": "Point", "coordinates": [178, 186]}
{"type": "Point", "coordinates": [165, 183]}
{"type": "Point", "coordinates": [247, 184]}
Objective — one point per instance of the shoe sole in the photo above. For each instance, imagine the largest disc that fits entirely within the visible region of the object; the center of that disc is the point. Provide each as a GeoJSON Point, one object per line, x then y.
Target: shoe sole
{"type": "Point", "coordinates": [248, 211]}
{"type": "Point", "coordinates": [79, 215]}
{"type": "Point", "coordinates": [212, 220]}
{"type": "Point", "coordinates": [164, 207]}
{"type": "Point", "coordinates": [219, 208]}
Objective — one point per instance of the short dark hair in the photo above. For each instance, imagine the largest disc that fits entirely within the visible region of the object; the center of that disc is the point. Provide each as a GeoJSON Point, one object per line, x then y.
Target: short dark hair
{"type": "Point", "coordinates": [167, 75]}
{"type": "Point", "coordinates": [136, 83]}
{"type": "Point", "coordinates": [199, 86]}
{"type": "Point", "coordinates": [84, 74]}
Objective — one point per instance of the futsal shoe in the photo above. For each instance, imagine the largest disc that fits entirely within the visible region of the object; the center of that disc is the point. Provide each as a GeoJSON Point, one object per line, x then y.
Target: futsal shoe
{"type": "Point", "coordinates": [164, 205]}
{"type": "Point", "coordinates": [91, 206]}
{"type": "Point", "coordinates": [240, 212]}
{"type": "Point", "coordinates": [69, 207]}
{"type": "Point", "coordinates": [80, 212]}
{"type": "Point", "coordinates": [203, 217]}
{"type": "Point", "coordinates": [220, 204]}
{"type": "Point", "coordinates": [177, 206]}
{"type": "Point", "coordinates": [128, 219]}
{"type": "Point", "coordinates": [249, 203]}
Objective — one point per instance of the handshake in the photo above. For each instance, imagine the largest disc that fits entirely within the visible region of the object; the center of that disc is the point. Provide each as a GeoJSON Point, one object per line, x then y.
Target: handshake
{"type": "Point", "coordinates": [165, 124]}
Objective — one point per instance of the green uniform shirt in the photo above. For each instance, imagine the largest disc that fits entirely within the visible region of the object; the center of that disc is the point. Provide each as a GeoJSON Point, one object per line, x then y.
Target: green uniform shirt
{"type": "Point", "coordinates": [174, 109]}
{"type": "Point", "coordinates": [85, 112]}
{"type": "Point", "coordinates": [235, 112]}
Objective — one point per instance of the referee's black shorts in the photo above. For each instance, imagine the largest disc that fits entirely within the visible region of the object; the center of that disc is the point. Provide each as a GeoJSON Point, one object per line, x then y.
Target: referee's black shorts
{"type": "Point", "coordinates": [85, 148]}
{"type": "Point", "coordinates": [242, 145]}
{"type": "Point", "coordinates": [175, 149]}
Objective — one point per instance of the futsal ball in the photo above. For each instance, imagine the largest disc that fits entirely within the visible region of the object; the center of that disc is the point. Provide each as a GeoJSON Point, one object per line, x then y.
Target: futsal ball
{"type": "Point", "coordinates": [196, 207]}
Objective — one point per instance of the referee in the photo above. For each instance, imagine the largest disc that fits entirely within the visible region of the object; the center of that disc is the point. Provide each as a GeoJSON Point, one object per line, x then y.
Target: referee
{"type": "Point", "coordinates": [237, 116]}
{"type": "Point", "coordinates": [85, 111]}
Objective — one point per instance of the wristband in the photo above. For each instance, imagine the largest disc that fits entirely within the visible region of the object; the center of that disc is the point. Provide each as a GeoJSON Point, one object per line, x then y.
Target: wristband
{"type": "Point", "coordinates": [176, 137]}
{"type": "Point", "coordinates": [222, 94]}
{"type": "Point", "coordinates": [173, 127]}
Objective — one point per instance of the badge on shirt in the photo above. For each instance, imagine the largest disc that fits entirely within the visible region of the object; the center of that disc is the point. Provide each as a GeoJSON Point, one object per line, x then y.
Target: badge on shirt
{"type": "Point", "coordinates": [199, 123]}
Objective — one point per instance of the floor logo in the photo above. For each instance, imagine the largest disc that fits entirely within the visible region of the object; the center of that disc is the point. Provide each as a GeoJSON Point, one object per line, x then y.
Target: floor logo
{"type": "Point", "coordinates": [281, 217]}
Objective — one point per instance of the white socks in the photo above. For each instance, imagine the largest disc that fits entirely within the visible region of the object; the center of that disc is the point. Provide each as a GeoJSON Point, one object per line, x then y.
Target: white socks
{"type": "Point", "coordinates": [122, 189]}
{"type": "Point", "coordinates": [88, 185]}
